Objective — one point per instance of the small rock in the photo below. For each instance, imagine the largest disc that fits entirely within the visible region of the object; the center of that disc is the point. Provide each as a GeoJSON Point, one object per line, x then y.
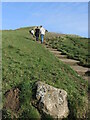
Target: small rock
{"type": "Point", "coordinates": [52, 101]}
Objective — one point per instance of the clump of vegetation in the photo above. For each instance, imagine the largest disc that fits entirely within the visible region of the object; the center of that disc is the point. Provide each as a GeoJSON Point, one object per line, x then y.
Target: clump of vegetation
{"type": "Point", "coordinates": [25, 62]}
{"type": "Point", "coordinates": [74, 47]}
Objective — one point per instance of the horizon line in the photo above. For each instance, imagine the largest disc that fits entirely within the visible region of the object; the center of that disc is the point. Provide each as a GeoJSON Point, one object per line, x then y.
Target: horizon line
{"type": "Point", "coordinates": [49, 31]}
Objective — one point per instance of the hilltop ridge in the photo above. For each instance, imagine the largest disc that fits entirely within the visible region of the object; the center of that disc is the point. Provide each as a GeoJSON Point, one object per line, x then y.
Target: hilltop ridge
{"type": "Point", "coordinates": [24, 62]}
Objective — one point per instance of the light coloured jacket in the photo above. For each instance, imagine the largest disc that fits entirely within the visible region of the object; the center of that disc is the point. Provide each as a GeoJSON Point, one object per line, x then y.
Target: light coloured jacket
{"type": "Point", "coordinates": [32, 31]}
{"type": "Point", "coordinates": [42, 31]}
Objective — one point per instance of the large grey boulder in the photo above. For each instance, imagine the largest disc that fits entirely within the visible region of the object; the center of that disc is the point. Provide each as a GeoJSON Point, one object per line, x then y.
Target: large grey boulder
{"type": "Point", "coordinates": [52, 101]}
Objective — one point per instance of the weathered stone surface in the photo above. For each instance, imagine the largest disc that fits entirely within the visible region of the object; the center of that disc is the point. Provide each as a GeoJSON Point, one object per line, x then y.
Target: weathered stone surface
{"type": "Point", "coordinates": [52, 101]}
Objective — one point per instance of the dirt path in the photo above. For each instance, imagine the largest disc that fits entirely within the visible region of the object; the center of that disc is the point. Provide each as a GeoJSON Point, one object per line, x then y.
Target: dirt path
{"type": "Point", "coordinates": [73, 63]}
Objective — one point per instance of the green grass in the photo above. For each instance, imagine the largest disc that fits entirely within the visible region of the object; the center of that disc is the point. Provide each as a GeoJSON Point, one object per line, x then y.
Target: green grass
{"type": "Point", "coordinates": [74, 47]}
{"type": "Point", "coordinates": [24, 62]}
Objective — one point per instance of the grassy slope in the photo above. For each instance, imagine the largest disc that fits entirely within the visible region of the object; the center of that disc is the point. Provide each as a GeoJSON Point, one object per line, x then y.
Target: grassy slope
{"type": "Point", "coordinates": [25, 62]}
{"type": "Point", "coordinates": [74, 46]}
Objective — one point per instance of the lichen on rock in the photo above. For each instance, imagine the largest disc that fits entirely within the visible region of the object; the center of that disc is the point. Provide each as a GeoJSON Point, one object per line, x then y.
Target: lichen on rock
{"type": "Point", "coordinates": [52, 101]}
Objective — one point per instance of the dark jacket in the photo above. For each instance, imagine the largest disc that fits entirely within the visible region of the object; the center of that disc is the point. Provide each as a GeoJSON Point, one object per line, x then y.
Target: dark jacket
{"type": "Point", "coordinates": [37, 31]}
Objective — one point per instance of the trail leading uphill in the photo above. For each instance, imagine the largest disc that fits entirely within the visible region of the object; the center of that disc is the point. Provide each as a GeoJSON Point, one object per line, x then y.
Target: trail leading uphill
{"type": "Point", "coordinates": [24, 62]}
{"type": "Point", "coordinates": [73, 63]}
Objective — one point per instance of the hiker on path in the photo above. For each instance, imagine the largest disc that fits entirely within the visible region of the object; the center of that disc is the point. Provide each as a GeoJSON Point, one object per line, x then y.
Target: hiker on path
{"type": "Point", "coordinates": [37, 31]}
{"type": "Point", "coordinates": [32, 32]}
{"type": "Point", "coordinates": [42, 33]}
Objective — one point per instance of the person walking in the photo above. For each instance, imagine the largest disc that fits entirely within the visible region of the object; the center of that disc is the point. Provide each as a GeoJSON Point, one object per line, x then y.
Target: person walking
{"type": "Point", "coordinates": [42, 32]}
{"type": "Point", "coordinates": [37, 31]}
{"type": "Point", "coordinates": [32, 32]}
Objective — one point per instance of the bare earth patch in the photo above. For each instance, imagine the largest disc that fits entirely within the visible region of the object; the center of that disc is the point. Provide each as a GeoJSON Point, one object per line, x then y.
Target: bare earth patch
{"type": "Point", "coordinates": [12, 100]}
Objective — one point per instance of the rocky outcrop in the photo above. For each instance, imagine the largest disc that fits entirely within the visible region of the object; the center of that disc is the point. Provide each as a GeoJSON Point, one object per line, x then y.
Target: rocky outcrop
{"type": "Point", "coordinates": [52, 101]}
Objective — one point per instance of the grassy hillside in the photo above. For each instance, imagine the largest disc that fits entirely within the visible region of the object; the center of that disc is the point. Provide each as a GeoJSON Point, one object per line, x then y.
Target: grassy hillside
{"type": "Point", "coordinates": [73, 46]}
{"type": "Point", "coordinates": [25, 62]}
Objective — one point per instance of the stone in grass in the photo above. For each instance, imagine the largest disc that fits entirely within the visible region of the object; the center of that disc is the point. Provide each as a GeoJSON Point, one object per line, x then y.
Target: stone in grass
{"type": "Point", "coordinates": [52, 101]}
